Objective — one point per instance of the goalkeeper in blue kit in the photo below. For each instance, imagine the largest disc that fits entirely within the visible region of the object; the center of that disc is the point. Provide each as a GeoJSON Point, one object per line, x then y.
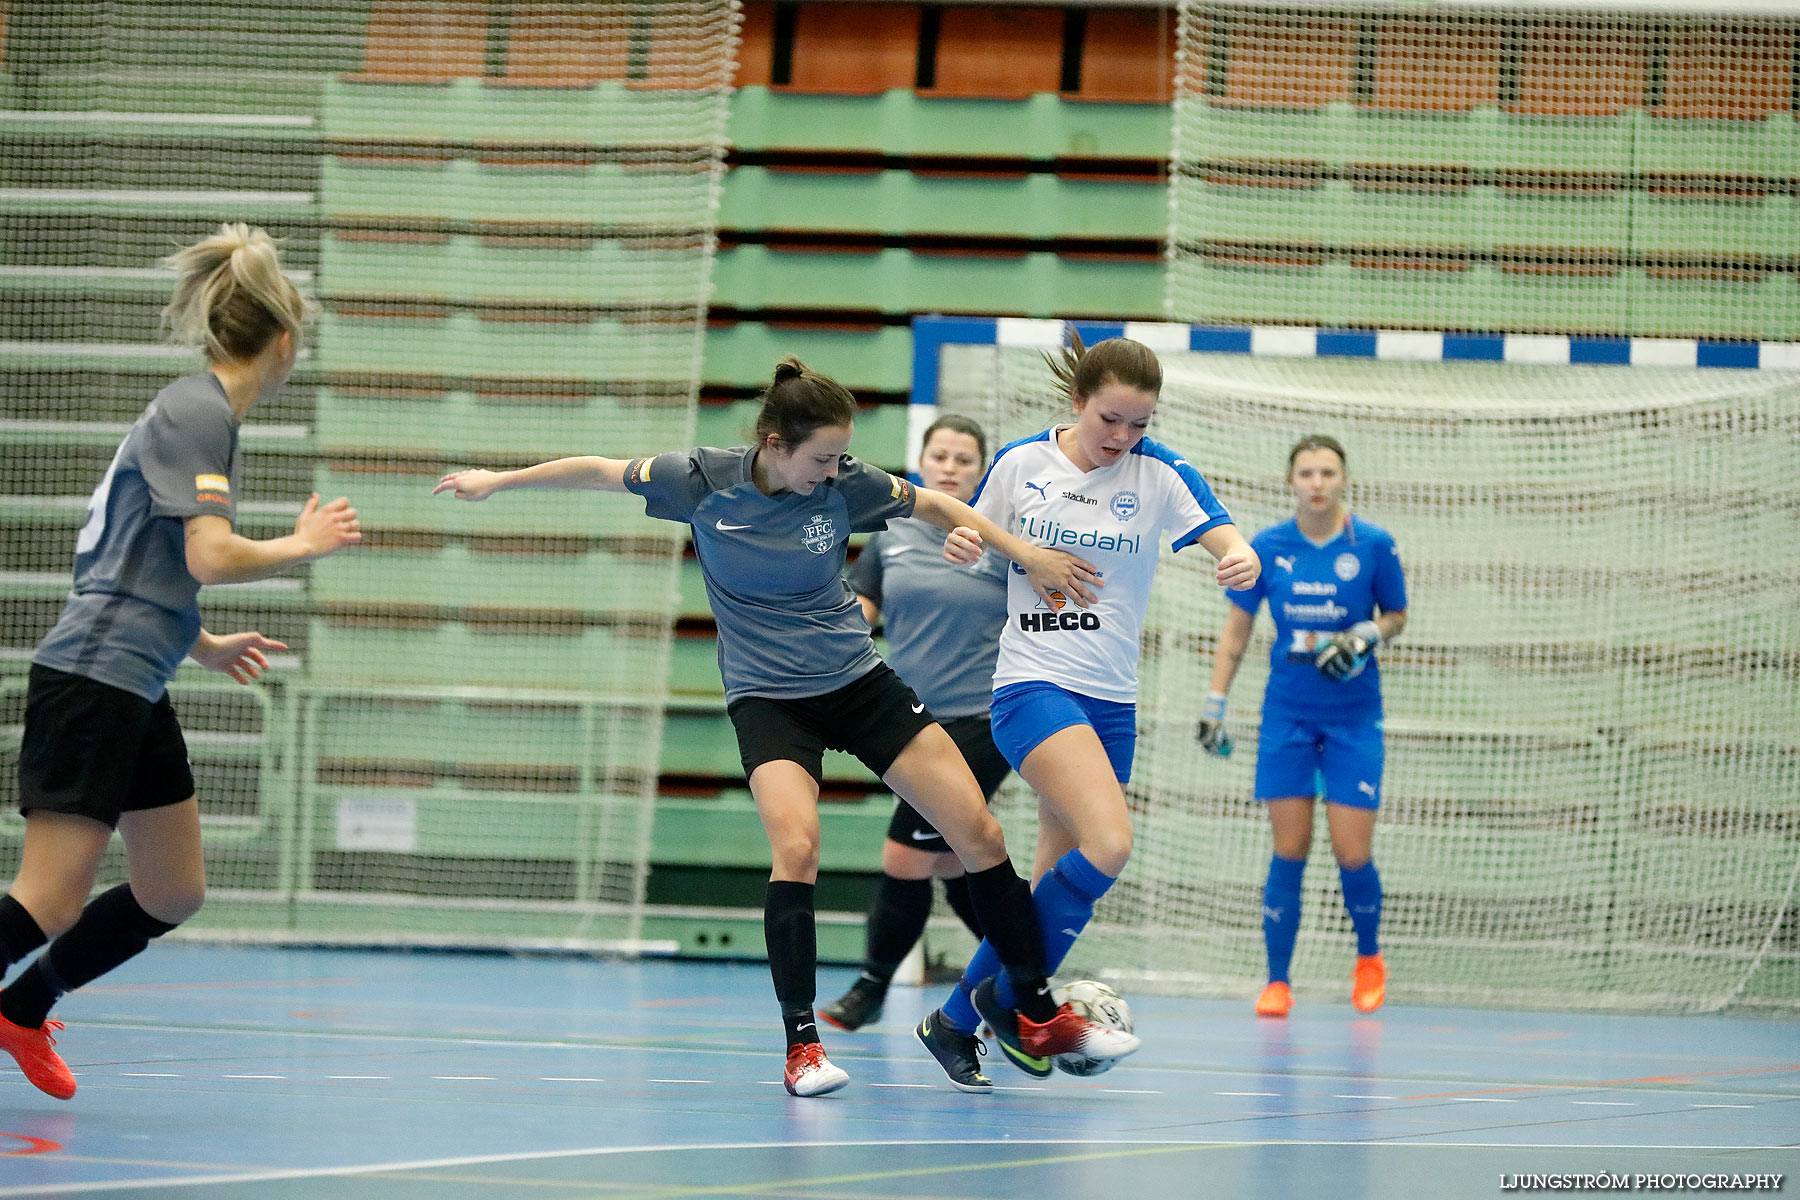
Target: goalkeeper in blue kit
{"type": "Point", "coordinates": [1334, 585]}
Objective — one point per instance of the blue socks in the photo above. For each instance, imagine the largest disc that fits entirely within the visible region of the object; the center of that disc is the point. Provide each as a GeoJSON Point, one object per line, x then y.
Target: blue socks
{"type": "Point", "coordinates": [1064, 899]}
{"type": "Point", "coordinates": [1281, 913]}
{"type": "Point", "coordinates": [1362, 897]}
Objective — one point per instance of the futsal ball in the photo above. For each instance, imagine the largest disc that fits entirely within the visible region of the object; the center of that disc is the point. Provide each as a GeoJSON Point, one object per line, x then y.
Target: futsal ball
{"type": "Point", "coordinates": [1101, 1005]}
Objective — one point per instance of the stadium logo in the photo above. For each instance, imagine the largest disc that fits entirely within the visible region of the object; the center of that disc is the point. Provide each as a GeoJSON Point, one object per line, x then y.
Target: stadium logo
{"type": "Point", "coordinates": [1346, 566]}
{"type": "Point", "coordinates": [820, 534]}
{"type": "Point", "coordinates": [1125, 505]}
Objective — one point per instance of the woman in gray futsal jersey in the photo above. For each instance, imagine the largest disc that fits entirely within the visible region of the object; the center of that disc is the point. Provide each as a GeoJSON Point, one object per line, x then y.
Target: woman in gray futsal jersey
{"type": "Point", "coordinates": [801, 674]}
{"type": "Point", "coordinates": [102, 747]}
{"type": "Point", "coordinates": [943, 633]}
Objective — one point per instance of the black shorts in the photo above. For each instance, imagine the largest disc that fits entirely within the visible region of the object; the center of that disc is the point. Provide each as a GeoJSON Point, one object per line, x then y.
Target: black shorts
{"type": "Point", "coordinates": [874, 718]}
{"type": "Point", "coordinates": [974, 736]}
{"type": "Point", "coordinates": [98, 751]}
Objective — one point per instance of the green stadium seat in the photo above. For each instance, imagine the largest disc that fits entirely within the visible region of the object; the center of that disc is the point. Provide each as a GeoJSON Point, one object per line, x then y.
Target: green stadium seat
{"type": "Point", "coordinates": [468, 110]}
{"type": "Point", "coordinates": [475, 429]}
{"type": "Point", "coordinates": [901, 123]}
{"type": "Point", "coordinates": [467, 269]}
{"type": "Point", "coordinates": [455, 576]}
{"type": "Point", "coordinates": [464, 189]}
{"type": "Point", "coordinates": [895, 280]}
{"type": "Point", "coordinates": [462, 345]}
{"type": "Point", "coordinates": [453, 653]}
{"type": "Point", "coordinates": [744, 354]}
{"type": "Point", "coordinates": [724, 831]}
{"type": "Point", "coordinates": [1039, 206]}
{"type": "Point", "coordinates": [879, 436]}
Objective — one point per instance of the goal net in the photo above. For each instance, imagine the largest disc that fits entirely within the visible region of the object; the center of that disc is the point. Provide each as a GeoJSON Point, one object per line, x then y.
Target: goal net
{"type": "Point", "coordinates": [508, 214]}
{"type": "Point", "coordinates": [1593, 751]}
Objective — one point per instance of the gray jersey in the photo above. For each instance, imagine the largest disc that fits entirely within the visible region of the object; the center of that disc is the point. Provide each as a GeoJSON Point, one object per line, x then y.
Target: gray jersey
{"type": "Point", "coordinates": [789, 626]}
{"type": "Point", "coordinates": [135, 610]}
{"type": "Point", "coordinates": [943, 621]}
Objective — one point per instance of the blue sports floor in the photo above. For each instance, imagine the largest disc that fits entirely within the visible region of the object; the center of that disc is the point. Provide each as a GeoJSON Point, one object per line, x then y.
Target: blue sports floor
{"type": "Point", "coordinates": [223, 1072]}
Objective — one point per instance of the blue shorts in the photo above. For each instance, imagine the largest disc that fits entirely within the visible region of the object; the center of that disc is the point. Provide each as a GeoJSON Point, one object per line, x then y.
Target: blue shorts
{"type": "Point", "coordinates": [1025, 714]}
{"type": "Point", "coordinates": [1337, 758]}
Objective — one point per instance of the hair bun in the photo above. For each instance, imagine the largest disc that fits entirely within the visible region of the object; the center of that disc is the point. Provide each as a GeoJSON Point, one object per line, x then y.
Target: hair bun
{"type": "Point", "coordinates": [788, 368]}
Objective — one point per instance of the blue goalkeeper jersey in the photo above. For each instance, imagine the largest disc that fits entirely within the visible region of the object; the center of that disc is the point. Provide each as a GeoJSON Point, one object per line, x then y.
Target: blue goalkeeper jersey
{"type": "Point", "coordinates": [1313, 592]}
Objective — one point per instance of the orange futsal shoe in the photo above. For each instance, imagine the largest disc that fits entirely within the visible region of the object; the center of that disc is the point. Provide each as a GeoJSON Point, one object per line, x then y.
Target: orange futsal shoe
{"type": "Point", "coordinates": [1368, 986]}
{"type": "Point", "coordinates": [1275, 1000]}
{"type": "Point", "coordinates": [810, 1073]}
{"type": "Point", "coordinates": [32, 1048]}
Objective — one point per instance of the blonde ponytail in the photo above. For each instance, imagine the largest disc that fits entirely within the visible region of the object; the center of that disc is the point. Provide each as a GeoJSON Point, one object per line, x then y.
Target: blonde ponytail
{"type": "Point", "coordinates": [231, 299]}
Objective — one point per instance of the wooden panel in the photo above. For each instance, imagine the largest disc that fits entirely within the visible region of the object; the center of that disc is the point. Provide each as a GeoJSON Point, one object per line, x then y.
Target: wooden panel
{"type": "Point", "coordinates": [569, 44]}
{"type": "Point", "coordinates": [855, 49]}
{"type": "Point", "coordinates": [998, 54]}
{"type": "Point", "coordinates": [756, 49]}
{"type": "Point", "coordinates": [1288, 62]}
{"type": "Point", "coordinates": [1129, 55]}
{"type": "Point", "coordinates": [1742, 72]}
{"type": "Point", "coordinates": [1582, 69]}
{"type": "Point", "coordinates": [1427, 64]}
{"type": "Point", "coordinates": [418, 41]}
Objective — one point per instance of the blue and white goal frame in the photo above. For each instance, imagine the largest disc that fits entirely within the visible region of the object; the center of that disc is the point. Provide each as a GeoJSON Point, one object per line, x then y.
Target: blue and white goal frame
{"type": "Point", "coordinates": [932, 333]}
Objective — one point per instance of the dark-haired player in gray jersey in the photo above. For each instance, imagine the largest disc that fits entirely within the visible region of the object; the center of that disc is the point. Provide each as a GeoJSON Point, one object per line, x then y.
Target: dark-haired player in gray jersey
{"type": "Point", "coordinates": [943, 634]}
{"type": "Point", "coordinates": [802, 676]}
{"type": "Point", "coordinates": [102, 747]}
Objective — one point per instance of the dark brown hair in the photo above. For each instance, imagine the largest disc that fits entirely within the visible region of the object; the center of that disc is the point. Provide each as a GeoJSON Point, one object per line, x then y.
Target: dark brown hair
{"type": "Point", "coordinates": [956, 423]}
{"type": "Point", "coordinates": [1318, 441]}
{"type": "Point", "coordinates": [1082, 371]}
{"type": "Point", "coordinates": [800, 401]}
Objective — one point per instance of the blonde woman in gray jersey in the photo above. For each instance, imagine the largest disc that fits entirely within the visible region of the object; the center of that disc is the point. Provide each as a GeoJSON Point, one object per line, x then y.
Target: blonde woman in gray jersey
{"type": "Point", "coordinates": [943, 634]}
{"type": "Point", "coordinates": [102, 747]}
{"type": "Point", "coordinates": [770, 523]}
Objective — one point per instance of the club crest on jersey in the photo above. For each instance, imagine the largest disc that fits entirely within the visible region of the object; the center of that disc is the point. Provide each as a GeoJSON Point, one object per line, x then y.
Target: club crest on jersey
{"type": "Point", "coordinates": [1346, 566]}
{"type": "Point", "coordinates": [1124, 505]}
{"type": "Point", "coordinates": [819, 534]}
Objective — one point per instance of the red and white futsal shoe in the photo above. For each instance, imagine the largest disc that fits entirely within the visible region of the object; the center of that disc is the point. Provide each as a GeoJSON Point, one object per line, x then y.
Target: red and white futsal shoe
{"type": "Point", "coordinates": [810, 1073]}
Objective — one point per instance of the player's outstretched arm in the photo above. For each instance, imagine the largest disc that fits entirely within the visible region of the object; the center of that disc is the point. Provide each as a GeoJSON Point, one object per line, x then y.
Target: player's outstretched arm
{"type": "Point", "coordinates": [216, 554]}
{"type": "Point", "coordinates": [1238, 566]}
{"type": "Point", "coordinates": [583, 473]}
{"type": "Point", "coordinates": [1049, 570]}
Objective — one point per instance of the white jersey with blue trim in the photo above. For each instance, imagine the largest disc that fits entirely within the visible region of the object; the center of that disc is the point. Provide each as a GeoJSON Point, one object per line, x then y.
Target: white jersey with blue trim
{"type": "Point", "coordinates": [1113, 517]}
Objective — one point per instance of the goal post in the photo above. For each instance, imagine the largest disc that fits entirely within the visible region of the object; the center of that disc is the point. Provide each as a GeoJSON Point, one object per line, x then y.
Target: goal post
{"type": "Point", "coordinates": [1593, 756]}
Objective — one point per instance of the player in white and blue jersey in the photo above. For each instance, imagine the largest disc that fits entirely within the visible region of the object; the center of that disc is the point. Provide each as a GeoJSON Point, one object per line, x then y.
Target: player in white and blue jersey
{"type": "Point", "coordinates": [1065, 688]}
{"type": "Point", "coordinates": [770, 524]}
{"type": "Point", "coordinates": [102, 747]}
{"type": "Point", "coordinates": [1336, 590]}
{"type": "Point", "coordinates": [943, 625]}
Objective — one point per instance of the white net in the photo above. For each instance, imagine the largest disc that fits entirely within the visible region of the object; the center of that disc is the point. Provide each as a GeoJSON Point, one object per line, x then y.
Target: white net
{"type": "Point", "coordinates": [1505, 167]}
{"type": "Point", "coordinates": [509, 214]}
{"type": "Point", "coordinates": [1593, 751]}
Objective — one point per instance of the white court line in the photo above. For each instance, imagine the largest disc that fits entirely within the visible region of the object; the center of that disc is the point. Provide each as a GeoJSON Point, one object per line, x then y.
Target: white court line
{"type": "Point", "coordinates": [148, 1075]}
{"type": "Point", "coordinates": [1246, 1093]}
{"type": "Point", "coordinates": [1481, 1100]}
{"type": "Point", "coordinates": [692, 1081]}
{"type": "Point", "coordinates": [254, 1077]}
{"type": "Point", "coordinates": [463, 1078]}
{"type": "Point", "coordinates": [1721, 1106]}
{"type": "Point", "coordinates": [569, 1079]}
{"type": "Point", "coordinates": [438, 1164]}
{"type": "Point", "coordinates": [1132, 1091]}
{"type": "Point", "coordinates": [904, 1085]}
{"type": "Point", "coordinates": [1606, 1103]}
{"type": "Point", "coordinates": [1353, 1096]}
{"type": "Point", "coordinates": [358, 1077]}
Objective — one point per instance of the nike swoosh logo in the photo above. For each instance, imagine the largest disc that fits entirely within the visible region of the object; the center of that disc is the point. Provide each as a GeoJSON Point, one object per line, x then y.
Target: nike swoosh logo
{"type": "Point", "coordinates": [720, 524]}
{"type": "Point", "coordinates": [807, 1025]}
{"type": "Point", "coordinates": [918, 708]}
{"type": "Point", "coordinates": [924, 835]}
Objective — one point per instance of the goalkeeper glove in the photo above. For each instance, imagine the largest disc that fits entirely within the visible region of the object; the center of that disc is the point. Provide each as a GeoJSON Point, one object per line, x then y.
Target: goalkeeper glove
{"type": "Point", "coordinates": [1348, 652]}
{"type": "Point", "coordinates": [1210, 732]}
